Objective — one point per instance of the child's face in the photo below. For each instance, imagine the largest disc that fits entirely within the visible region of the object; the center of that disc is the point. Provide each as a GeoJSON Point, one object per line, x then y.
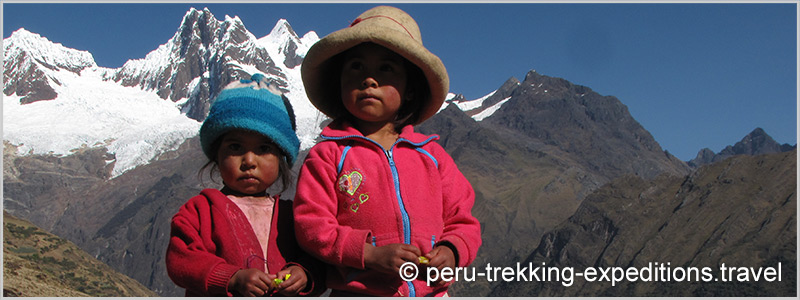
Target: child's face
{"type": "Point", "coordinates": [248, 162]}
{"type": "Point", "coordinates": [373, 82]}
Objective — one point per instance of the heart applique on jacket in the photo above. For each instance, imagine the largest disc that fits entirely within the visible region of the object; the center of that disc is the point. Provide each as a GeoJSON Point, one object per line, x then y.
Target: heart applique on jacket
{"type": "Point", "coordinates": [349, 183]}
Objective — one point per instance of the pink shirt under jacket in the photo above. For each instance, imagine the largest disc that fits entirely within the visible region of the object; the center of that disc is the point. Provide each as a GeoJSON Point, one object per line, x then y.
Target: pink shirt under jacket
{"type": "Point", "coordinates": [350, 191]}
{"type": "Point", "coordinates": [211, 239]}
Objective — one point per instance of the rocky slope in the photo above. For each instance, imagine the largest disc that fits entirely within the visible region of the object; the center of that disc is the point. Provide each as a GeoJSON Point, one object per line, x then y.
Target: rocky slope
{"type": "Point", "coordinates": [39, 264]}
{"type": "Point", "coordinates": [740, 212]}
{"type": "Point", "coordinates": [538, 156]}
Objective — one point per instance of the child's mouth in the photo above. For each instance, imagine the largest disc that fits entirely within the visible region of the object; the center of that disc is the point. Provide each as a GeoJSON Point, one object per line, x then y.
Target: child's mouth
{"type": "Point", "coordinates": [368, 97]}
{"type": "Point", "coordinates": [249, 179]}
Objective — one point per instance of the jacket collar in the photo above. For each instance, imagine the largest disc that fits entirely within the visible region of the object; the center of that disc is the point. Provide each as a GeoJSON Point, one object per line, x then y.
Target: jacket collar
{"type": "Point", "coordinates": [342, 129]}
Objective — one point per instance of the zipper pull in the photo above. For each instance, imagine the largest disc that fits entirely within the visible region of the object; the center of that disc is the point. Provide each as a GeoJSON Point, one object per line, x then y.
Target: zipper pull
{"type": "Point", "coordinates": [389, 156]}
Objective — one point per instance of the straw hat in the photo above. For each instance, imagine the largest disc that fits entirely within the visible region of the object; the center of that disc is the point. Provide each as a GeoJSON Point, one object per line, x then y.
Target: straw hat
{"type": "Point", "coordinates": [383, 25]}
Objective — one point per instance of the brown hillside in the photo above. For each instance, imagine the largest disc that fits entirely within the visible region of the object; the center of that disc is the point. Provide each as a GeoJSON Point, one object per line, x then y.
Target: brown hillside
{"type": "Point", "coordinates": [39, 264]}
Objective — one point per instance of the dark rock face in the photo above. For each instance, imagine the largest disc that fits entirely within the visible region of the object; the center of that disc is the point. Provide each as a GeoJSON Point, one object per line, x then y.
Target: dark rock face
{"type": "Point", "coordinates": [128, 224]}
{"type": "Point", "coordinates": [740, 212]}
{"type": "Point", "coordinates": [36, 86]}
{"type": "Point", "coordinates": [755, 143]}
{"type": "Point", "coordinates": [535, 159]}
{"type": "Point", "coordinates": [124, 221]}
{"type": "Point", "coordinates": [41, 188]}
{"type": "Point", "coordinates": [289, 49]}
{"type": "Point", "coordinates": [198, 62]}
{"type": "Point", "coordinates": [597, 131]}
{"type": "Point", "coordinates": [24, 74]}
{"type": "Point", "coordinates": [506, 90]}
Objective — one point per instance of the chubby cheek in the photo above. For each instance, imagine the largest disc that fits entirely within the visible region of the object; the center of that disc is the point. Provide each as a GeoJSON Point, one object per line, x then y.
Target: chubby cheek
{"type": "Point", "coordinates": [348, 96]}
{"type": "Point", "coordinates": [269, 170]}
{"type": "Point", "coordinates": [396, 99]}
{"type": "Point", "coordinates": [228, 170]}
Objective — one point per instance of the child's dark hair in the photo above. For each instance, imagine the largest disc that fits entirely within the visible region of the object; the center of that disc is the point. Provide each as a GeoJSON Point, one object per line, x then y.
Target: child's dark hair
{"type": "Point", "coordinates": [284, 168]}
{"type": "Point", "coordinates": [417, 91]}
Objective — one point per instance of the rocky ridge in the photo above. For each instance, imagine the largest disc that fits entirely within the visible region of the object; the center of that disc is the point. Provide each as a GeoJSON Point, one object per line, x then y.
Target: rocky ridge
{"type": "Point", "coordinates": [755, 143]}
{"type": "Point", "coordinates": [740, 212]}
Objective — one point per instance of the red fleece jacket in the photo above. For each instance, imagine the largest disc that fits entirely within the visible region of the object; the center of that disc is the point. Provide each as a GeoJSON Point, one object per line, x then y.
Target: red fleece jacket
{"type": "Point", "coordinates": [351, 191]}
{"type": "Point", "coordinates": [211, 239]}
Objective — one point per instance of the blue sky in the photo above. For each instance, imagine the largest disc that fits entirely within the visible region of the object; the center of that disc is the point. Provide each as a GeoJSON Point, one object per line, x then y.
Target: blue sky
{"type": "Point", "coordinates": [694, 75]}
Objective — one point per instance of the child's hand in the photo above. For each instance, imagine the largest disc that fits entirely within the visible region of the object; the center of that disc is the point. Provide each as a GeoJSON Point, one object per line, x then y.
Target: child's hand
{"type": "Point", "coordinates": [250, 282]}
{"type": "Point", "coordinates": [294, 284]}
{"type": "Point", "coordinates": [389, 258]}
{"type": "Point", "coordinates": [441, 257]}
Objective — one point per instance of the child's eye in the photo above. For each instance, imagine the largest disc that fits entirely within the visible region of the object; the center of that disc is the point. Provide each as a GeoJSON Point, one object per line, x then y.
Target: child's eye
{"type": "Point", "coordinates": [234, 147]}
{"type": "Point", "coordinates": [387, 68]}
{"type": "Point", "coordinates": [266, 148]}
{"type": "Point", "coordinates": [355, 65]}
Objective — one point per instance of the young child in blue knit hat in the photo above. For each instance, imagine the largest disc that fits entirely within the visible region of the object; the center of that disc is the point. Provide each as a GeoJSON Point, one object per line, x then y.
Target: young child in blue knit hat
{"type": "Point", "coordinates": [240, 240]}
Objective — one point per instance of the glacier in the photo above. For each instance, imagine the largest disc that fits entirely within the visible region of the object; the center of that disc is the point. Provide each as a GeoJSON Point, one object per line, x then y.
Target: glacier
{"type": "Point", "coordinates": [133, 123]}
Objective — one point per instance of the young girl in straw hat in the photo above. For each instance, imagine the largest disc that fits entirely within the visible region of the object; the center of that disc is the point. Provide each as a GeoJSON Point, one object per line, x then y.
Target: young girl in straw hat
{"type": "Point", "coordinates": [239, 240]}
{"type": "Point", "coordinates": [374, 195]}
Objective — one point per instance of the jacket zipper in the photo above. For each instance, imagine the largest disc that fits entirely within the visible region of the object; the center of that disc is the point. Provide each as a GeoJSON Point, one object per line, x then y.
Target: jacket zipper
{"type": "Point", "coordinates": [403, 212]}
{"type": "Point", "coordinates": [396, 178]}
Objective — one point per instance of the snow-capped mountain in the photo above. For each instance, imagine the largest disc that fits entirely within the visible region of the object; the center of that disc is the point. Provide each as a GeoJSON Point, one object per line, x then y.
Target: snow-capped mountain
{"type": "Point", "coordinates": [151, 105]}
{"type": "Point", "coordinates": [148, 106]}
{"type": "Point", "coordinates": [29, 62]}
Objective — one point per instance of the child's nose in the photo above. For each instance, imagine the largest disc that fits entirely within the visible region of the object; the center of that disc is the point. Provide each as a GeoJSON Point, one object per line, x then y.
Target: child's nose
{"type": "Point", "coordinates": [248, 161]}
{"type": "Point", "coordinates": [369, 82]}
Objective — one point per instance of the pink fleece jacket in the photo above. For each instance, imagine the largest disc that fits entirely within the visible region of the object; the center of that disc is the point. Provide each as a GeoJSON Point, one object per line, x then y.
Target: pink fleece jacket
{"type": "Point", "coordinates": [350, 191]}
{"type": "Point", "coordinates": [211, 239]}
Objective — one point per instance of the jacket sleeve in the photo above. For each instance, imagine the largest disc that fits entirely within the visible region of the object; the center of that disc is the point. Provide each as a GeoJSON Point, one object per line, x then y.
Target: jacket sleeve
{"type": "Point", "coordinates": [191, 262]}
{"type": "Point", "coordinates": [315, 209]}
{"type": "Point", "coordinates": [461, 229]}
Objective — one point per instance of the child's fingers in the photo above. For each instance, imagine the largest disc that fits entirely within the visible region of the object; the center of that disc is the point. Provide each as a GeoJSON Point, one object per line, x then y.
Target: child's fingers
{"type": "Point", "coordinates": [408, 252]}
{"type": "Point", "coordinates": [264, 285]}
{"type": "Point", "coordinates": [414, 250]}
{"type": "Point", "coordinates": [293, 281]}
{"type": "Point", "coordinates": [441, 257]}
{"type": "Point", "coordinates": [251, 282]}
{"type": "Point", "coordinates": [292, 287]}
{"type": "Point", "coordinates": [405, 257]}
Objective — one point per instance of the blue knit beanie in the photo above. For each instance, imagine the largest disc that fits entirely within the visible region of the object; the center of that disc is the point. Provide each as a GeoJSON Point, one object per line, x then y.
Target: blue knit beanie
{"type": "Point", "coordinates": [252, 105]}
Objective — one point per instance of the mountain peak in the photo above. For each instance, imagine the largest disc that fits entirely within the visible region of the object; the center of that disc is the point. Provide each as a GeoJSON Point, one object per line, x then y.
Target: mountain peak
{"type": "Point", "coordinates": [282, 28]}
{"type": "Point", "coordinates": [51, 55]}
{"type": "Point", "coordinates": [285, 40]}
{"type": "Point", "coordinates": [31, 62]}
{"type": "Point", "coordinates": [194, 13]}
{"type": "Point", "coordinates": [754, 143]}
